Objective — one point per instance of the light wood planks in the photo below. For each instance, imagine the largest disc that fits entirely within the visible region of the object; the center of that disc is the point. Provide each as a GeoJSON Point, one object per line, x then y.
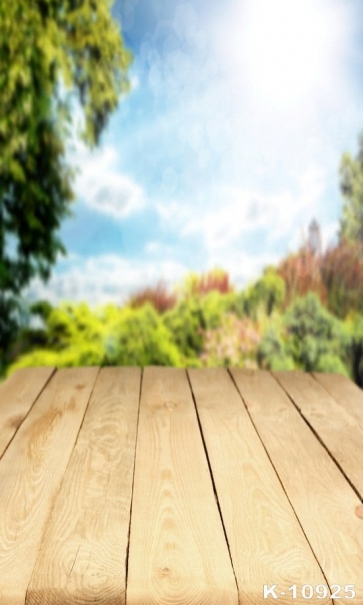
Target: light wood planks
{"type": "Point", "coordinates": [266, 541]}
{"type": "Point", "coordinates": [338, 430]}
{"type": "Point", "coordinates": [83, 555]}
{"type": "Point", "coordinates": [347, 394]}
{"type": "Point", "coordinates": [325, 504]}
{"type": "Point", "coordinates": [31, 471]}
{"type": "Point", "coordinates": [178, 553]}
{"type": "Point", "coordinates": [17, 395]}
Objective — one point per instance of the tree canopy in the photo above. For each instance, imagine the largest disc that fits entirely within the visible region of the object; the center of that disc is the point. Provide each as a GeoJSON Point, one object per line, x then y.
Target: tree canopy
{"type": "Point", "coordinates": [351, 184]}
{"type": "Point", "coordinates": [54, 54]}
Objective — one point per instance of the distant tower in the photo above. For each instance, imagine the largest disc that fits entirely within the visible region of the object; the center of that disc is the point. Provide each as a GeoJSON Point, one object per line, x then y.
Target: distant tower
{"type": "Point", "coordinates": [314, 239]}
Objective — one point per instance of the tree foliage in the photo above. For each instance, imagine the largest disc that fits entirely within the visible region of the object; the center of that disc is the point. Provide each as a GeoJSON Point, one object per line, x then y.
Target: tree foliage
{"type": "Point", "coordinates": [266, 294]}
{"type": "Point", "coordinates": [192, 317]}
{"type": "Point", "coordinates": [301, 273]}
{"type": "Point", "coordinates": [316, 339]}
{"type": "Point", "coordinates": [351, 185]}
{"type": "Point", "coordinates": [75, 335]}
{"type": "Point", "coordinates": [272, 352]}
{"type": "Point", "coordinates": [342, 275]}
{"type": "Point", "coordinates": [53, 54]}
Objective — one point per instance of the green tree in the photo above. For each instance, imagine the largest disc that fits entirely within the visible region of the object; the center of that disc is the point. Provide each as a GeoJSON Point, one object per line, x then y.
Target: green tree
{"type": "Point", "coordinates": [53, 54]}
{"type": "Point", "coordinates": [351, 185]}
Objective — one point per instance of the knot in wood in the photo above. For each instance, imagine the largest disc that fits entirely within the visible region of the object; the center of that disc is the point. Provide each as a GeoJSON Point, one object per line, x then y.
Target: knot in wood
{"type": "Point", "coordinates": [170, 404]}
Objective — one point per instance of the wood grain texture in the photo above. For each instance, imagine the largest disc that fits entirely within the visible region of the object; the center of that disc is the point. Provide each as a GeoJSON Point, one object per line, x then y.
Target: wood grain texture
{"type": "Point", "coordinates": [31, 471]}
{"type": "Point", "coordinates": [178, 553]}
{"type": "Point", "coordinates": [83, 554]}
{"type": "Point", "coordinates": [337, 429]}
{"type": "Point", "coordinates": [17, 395]}
{"type": "Point", "coordinates": [347, 394]}
{"type": "Point", "coordinates": [266, 541]}
{"type": "Point", "coordinates": [326, 505]}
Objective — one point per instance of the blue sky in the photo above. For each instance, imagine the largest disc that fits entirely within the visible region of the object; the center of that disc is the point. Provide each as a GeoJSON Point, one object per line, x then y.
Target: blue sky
{"type": "Point", "coordinates": [227, 146]}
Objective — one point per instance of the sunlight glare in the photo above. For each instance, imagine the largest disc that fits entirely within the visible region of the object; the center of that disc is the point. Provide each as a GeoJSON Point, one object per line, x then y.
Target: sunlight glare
{"type": "Point", "coordinates": [287, 47]}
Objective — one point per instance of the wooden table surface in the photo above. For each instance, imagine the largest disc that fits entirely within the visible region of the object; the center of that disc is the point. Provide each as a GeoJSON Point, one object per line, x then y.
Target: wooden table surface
{"type": "Point", "coordinates": [180, 487]}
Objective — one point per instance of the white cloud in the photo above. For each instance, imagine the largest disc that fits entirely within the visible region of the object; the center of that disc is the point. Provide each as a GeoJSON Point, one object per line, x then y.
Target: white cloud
{"type": "Point", "coordinates": [243, 267]}
{"type": "Point", "coordinates": [105, 278]}
{"type": "Point", "coordinates": [222, 216]}
{"type": "Point", "coordinates": [102, 186]}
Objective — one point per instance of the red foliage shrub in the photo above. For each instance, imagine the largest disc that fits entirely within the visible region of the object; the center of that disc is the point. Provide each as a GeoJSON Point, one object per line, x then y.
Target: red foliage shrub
{"type": "Point", "coordinates": [158, 296]}
{"type": "Point", "coordinates": [302, 274]}
{"type": "Point", "coordinates": [217, 279]}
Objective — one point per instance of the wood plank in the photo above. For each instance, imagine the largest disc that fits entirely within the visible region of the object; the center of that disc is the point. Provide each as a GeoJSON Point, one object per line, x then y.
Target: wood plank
{"type": "Point", "coordinates": [83, 554]}
{"type": "Point", "coordinates": [17, 395]}
{"type": "Point", "coordinates": [31, 471]}
{"type": "Point", "coordinates": [266, 541]}
{"type": "Point", "coordinates": [338, 430]}
{"type": "Point", "coordinates": [327, 507]}
{"type": "Point", "coordinates": [178, 552]}
{"type": "Point", "coordinates": [345, 392]}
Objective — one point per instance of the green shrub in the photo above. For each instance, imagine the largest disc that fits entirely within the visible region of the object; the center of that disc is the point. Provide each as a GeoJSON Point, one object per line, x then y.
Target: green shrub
{"type": "Point", "coordinates": [272, 353]}
{"type": "Point", "coordinates": [192, 317]}
{"type": "Point", "coordinates": [265, 295]}
{"type": "Point", "coordinates": [77, 336]}
{"type": "Point", "coordinates": [139, 337]}
{"type": "Point", "coordinates": [314, 334]}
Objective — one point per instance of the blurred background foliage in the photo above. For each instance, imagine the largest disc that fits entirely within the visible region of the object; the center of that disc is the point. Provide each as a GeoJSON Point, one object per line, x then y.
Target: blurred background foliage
{"type": "Point", "coordinates": [305, 313]}
{"type": "Point", "coordinates": [274, 323]}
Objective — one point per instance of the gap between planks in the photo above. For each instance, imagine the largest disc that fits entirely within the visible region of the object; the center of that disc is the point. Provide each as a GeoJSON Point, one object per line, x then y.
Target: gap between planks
{"type": "Point", "coordinates": [178, 552]}
{"type": "Point", "coordinates": [31, 471]}
{"type": "Point", "coordinates": [84, 550]}
{"type": "Point", "coordinates": [334, 425]}
{"type": "Point", "coordinates": [19, 392]}
{"type": "Point", "coordinates": [323, 500]}
{"type": "Point", "coordinates": [267, 543]}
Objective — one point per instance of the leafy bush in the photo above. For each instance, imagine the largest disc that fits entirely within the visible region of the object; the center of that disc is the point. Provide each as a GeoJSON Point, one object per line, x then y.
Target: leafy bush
{"type": "Point", "coordinates": [110, 336]}
{"type": "Point", "coordinates": [351, 186]}
{"type": "Point", "coordinates": [234, 342]}
{"type": "Point", "coordinates": [272, 353]}
{"type": "Point", "coordinates": [139, 337]}
{"type": "Point", "coordinates": [265, 295]}
{"type": "Point", "coordinates": [331, 363]}
{"type": "Point", "coordinates": [314, 334]}
{"type": "Point", "coordinates": [192, 316]}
